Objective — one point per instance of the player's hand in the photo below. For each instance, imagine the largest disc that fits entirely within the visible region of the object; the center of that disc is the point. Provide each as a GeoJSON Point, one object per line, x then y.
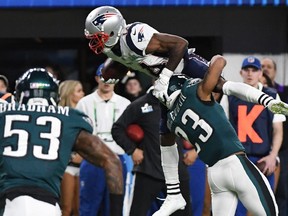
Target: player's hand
{"type": "Point", "coordinates": [109, 81]}
{"type": "Point", "coordinates": [76, 158]}
{"type": "Point", "coordinates": [278, 107]}
{"type": "Point", "coordinates": [161, 86]}
{"type": "Point", "coordinates": [138, 156]}
{"type": "Point", "coordinates": [269, 164]}
{"type": "Point", "coordinates": [190, 157]}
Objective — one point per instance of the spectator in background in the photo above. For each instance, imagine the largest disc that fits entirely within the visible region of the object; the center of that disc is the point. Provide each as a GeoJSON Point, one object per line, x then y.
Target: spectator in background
{"type": "Point", "coordinates": [55, 70]}
{"type": "Point", "coordinates": [4, 85]}
{"type": "Point", "coordinates": [258, 129]}
{"type": "Point", "coordinates": [149, 178]}
{"type": "Point", "coordinates": [103, 106]}
{"type": "Point", "coordinates": [266, 81]}
{"type": "Point", "coordinates": [70, 92]}
{"type": "Point", "coordinates": [133, 88]}
{"type": "Point", "coordinates": [269, 67]}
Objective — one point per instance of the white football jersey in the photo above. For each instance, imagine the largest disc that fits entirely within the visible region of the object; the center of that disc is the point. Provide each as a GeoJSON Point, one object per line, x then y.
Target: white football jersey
{"type": "Point", "coordinates": [133, 43]}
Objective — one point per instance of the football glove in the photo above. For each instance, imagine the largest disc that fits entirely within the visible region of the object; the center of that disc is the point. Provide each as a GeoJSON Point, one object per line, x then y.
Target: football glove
{"type": "Point", "coordinates": [278, 107]}
{"type": "Point", "coordinates": [161, 86]}
{"type": "Point", "coordinates": [110, 80]}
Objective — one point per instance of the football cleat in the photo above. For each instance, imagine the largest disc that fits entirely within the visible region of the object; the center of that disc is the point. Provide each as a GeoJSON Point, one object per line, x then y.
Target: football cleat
{"type": "Point", "coordinates": [171, 204]}
{"type": "Point", "coordinates": [278, 107]}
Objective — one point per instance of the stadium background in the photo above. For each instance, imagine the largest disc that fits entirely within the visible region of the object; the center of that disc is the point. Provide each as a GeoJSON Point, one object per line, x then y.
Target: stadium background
{"type": "Point", "coordinates": [38, 32]}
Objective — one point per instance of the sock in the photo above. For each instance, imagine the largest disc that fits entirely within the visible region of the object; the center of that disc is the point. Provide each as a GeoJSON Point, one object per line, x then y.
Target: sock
{"type": "Point", "coordinates": [246, 92]}
{"type": "Point", "coordinates": [170, 160]}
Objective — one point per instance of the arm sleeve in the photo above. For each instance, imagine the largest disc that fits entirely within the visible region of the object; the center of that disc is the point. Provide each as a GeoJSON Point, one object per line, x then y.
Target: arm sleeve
{"type": "Point", "coordinates": [246, 92]}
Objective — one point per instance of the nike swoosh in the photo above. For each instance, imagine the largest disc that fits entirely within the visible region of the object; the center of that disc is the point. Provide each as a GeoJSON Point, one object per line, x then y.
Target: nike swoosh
{"type": "Point", "coordinates": [134, 33]}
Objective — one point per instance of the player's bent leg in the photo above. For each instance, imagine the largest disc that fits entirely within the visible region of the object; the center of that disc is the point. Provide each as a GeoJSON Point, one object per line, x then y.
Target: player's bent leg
{"type": "Point", "coordinates": [224, 203]}
{"type": "Point", "coordinates": [254, 190]}
{"type": "Point", "coordinates": [220, 180]}
{"type": "Point", "coordinates": [28, 206]}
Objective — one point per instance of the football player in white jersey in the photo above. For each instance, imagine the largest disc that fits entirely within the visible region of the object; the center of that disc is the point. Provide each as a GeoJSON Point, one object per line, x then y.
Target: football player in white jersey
{"type": "Point", "coordinates": [142, 48]}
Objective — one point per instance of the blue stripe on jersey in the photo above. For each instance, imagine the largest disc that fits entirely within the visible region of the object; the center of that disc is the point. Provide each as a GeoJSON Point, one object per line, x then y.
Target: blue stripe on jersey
{"type": "Point", "coordinates": [130, 43]}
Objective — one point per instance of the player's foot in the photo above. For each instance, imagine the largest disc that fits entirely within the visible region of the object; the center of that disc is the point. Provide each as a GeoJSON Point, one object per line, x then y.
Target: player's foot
{"type": "Point", "coordinates": [171, 204]}
{"type": "Point", "coordinates": [278, 107]}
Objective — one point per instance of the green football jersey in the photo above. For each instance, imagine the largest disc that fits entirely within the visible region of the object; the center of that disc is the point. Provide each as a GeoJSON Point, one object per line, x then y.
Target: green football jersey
{"type": "Point", "coordinates": [36, 142]}
{"type": "Point", "coordinates": [203, 124]}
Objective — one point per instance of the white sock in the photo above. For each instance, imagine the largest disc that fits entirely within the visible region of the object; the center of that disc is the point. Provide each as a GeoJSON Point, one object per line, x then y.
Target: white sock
{"type": "Point", "coordinates": [170, 160]}
{"type": "Point", "coordinates": [246, 92]}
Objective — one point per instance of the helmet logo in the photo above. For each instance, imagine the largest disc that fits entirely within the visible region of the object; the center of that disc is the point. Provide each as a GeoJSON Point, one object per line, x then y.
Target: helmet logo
{"type": "Point", "coordinates": [140, 35]}
{"type": "Point", "coordinates": [39, 85]}
{"type": "Point", "coordinates": [99, 20]}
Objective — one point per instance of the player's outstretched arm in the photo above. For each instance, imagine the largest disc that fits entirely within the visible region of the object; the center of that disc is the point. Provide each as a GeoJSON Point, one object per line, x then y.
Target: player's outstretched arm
{"type": "Point", "coordinates": [211, 77]}
{"type": "Point", "coordinates": [91, 148]}
{"type": "Point", "coordinates": [248, 93]}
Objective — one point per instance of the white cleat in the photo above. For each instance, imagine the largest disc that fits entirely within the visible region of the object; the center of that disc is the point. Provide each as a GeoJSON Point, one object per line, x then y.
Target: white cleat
{"type": "Point", "coordinates": [171, 204]}
{"type": "Point", "coordinates": [278, 107]}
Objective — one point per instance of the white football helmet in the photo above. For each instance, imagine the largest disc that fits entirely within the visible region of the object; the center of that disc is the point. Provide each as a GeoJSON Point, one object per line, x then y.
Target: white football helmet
{"type": "Point", "coordinates": [103, 27]}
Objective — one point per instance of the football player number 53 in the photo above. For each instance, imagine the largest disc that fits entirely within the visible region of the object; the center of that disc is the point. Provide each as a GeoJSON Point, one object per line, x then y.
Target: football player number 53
{"type": "Point", "coordinates": [191, 115]}
{"type": "Point", "coordinates": [23, 137]}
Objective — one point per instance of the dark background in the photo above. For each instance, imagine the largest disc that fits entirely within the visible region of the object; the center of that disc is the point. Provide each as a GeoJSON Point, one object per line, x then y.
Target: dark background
{"type": "Point", "coordinates": [54, 36]}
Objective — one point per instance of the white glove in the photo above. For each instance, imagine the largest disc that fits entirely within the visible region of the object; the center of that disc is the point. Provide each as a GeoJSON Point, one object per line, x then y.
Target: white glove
{"type": "Point", "coordinates": [161, 86]}
{"type": "Point", "coordinates": [109, 81]}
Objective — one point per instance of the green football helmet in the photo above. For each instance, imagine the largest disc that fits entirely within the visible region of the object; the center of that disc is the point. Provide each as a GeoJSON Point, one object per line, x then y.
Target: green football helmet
{"type": "Point", "coordinates": [37, 86]}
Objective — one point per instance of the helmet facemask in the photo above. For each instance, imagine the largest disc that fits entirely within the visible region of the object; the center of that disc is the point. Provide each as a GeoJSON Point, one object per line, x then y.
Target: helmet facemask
{"type": "Point", "coordinates": [97, 42]}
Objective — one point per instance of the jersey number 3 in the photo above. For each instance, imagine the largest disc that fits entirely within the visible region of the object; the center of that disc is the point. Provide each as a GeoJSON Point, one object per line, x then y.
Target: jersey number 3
{"type": "Point", "coordinates": [191, 115]}
{"type": "Point", "coordinates": [23, 137]}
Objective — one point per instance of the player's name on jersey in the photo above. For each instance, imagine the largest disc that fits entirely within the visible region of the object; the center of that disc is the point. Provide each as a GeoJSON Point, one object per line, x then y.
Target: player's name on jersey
{"type": "Point", "coordinates": [173, 114]}
{"type": "Point", "coordinates": [35, 108]}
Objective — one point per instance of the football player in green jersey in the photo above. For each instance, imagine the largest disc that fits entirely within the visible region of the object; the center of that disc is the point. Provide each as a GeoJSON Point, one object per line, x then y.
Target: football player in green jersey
{"type": "Point", "coordinates": [36, 141]}
{"type": "Point", "coordinates": [198, 118]}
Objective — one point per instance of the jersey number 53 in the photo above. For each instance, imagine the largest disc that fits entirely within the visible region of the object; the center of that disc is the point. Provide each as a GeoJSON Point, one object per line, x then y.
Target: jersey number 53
{"type": "Point", "coordinates": [23, 137]}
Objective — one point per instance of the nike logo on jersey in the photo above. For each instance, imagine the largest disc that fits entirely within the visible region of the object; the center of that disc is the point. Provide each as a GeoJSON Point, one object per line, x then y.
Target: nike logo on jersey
{"type": "Point", "coordinates": [134, 33]}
